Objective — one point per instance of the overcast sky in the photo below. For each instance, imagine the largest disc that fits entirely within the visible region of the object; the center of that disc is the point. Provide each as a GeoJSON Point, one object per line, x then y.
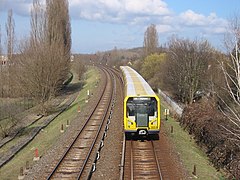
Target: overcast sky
{"type": "Point", "coordinates": [99, 25]}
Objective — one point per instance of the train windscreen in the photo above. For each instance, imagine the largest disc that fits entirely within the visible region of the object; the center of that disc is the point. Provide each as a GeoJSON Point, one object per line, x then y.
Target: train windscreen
{"type": "Point", "coordinates": [142, 105]}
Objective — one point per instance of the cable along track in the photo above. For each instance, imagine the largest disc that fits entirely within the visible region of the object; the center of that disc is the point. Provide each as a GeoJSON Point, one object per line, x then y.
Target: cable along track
{"type": "Point", "coordinates": [77, 160]}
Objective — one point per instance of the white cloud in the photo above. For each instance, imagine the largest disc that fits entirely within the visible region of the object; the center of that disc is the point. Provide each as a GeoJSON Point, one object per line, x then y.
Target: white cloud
{"type": "Point", "coordinates": [165, 28]}
{"type": "Point", "coordinates": [145, 12]}
{"type": "Point", "coordinates": [133, 12]}
{"type": "Point", "coordinates": [118, 11]}
{"type": "Point", "coordinates": [19, 7]}
{"type": "Point", "coordinates": [146, 7]}
{"type": "Point", "coordinates": [140, 20]}
{"type": "Point", "coordinates": [210, 23]}
{"type": "Point", "coordinates": [191, 18]}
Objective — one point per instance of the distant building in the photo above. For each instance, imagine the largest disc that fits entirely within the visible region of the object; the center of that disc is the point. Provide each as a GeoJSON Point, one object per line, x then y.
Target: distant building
{"type": "Point", "coordinates": [72, 58]}
{"type": "Point", "coordinates": [3, 60]}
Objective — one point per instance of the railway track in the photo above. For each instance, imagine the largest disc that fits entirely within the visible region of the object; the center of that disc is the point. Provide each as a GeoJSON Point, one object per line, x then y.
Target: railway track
{"type": "Point", "coordinates": [148, 159]}
{"type": "Point", "coordinates": [141, 161]}
{"type": "Point", "coordinates": [77, 161]}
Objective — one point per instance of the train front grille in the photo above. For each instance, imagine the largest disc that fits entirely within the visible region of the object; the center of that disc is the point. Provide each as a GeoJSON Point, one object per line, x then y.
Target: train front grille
{"type": "Point", "coordinates": [142, 120]}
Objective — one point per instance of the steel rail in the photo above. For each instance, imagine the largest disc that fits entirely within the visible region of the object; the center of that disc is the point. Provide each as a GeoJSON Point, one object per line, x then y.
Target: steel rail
{"type": "Point", "coordinates": [156, 158]}
{"type": "Point", "coordinates": [139, 162]}
{"type": "Point", "coordinates": [98, 132]}
{"type": "Point", "coordinates": [75, 139]}
{"type": "Point", "coordinates": [122, 158]}
{"type": "Point", "coordinates": [132, 167]}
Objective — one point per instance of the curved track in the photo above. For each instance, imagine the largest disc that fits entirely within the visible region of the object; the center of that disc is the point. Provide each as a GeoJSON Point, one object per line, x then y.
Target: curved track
{"type": "Point", "coordinates": [77, 160]}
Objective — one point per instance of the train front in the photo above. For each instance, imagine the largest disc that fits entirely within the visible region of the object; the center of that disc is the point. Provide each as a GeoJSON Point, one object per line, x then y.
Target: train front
{"type": "Point", "coordinates": [141, 115]}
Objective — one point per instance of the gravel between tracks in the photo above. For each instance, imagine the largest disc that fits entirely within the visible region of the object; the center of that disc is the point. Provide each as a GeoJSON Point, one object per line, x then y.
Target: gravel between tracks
{"type": "Point", "coordinates": [108, 165]}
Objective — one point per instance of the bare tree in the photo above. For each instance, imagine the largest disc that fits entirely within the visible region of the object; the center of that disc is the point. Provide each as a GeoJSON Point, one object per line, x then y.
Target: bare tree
{"type": "Point", "coordinates": [10, 27]}
{"type": "Point", "coordinates": [150, 43]}
{"type": "Point", "coordinates": [31, 65]}
{"type": "Point", "coordinates": [79, 67]}
{"type": "Point", "coordinates": [1, 50]}
{"type": "Point", "coordinates": [231, 71]}
{"type": "Point", "coordinates": [59, 41]}
{"type": "Point", "coordinates": [187, 66]}
{"type": "Point", "coordinates": [6, 80]}
{"type": "Point", "coordinates": [38, 24]}
{"type": "Point", "coordinates": [1, 64]}
{"type": "Point", "coordinates": [46, 56]}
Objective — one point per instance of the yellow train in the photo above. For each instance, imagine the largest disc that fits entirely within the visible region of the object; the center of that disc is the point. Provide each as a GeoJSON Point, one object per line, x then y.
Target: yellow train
{"type": "Point", "coordinates": [141, 105]}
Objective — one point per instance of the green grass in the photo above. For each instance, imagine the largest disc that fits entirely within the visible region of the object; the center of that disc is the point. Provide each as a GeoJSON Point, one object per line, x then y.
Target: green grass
{"type": "Point", "coordinates": [45, 139]}
{"type": "Point", "coordinates": [189, 152]}
{"type": "Point", "coordinates": [13, 107]}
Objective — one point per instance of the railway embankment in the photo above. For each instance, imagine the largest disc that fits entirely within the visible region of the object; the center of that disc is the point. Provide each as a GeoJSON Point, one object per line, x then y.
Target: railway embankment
{"type": "Point", "coordinates": [26, 134]}
{"type": "Point", "coordinates": [207, 126]}
{"type": "Point", "coordinates": [210, 131]}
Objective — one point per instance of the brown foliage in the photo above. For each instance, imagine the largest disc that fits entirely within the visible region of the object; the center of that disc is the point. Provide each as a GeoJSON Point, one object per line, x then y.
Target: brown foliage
{"type": "Point", "coordinates": [187, 66]}
{"type": "Point", "coordinates": [45, 58]}
{"type": "Point", "coordinates": [206, 123]}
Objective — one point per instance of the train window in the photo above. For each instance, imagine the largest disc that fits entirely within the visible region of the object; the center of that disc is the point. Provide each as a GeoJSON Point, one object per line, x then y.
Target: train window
{"type": "Point", "coordinates": [130, 107]}
{"type": "Point", "coordinates": [141, 109]}
{"type": "Point", "coordinates": [152, 107]}
{"type": "Point", "coordinates": [142, 105]}
{"type": "Point", "coordinates": [141, 99]}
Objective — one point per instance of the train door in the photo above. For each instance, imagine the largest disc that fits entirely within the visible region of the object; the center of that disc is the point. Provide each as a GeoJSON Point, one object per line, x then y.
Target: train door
{"type": "Point", "coordinates": [141, 115]}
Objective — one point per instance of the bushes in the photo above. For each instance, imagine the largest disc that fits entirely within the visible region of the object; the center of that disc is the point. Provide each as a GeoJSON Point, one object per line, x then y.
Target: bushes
{"type": "Point", "coordinates": [205, 123]}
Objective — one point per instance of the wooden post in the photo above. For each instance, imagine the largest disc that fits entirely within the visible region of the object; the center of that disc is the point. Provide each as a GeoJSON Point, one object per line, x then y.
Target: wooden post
{"type": "Point", "coordinates": [194, 170]}
{"type": "Point", "coordinates": [67, 125]}
{"type": "Point", "coordinates": [62, 129]}
{"type": "Point", "coordinates": [21, 175]}
{"type": "Point", "coordinates": [26, 168]}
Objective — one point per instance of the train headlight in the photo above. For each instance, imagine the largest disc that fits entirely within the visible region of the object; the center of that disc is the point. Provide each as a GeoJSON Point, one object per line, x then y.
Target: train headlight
{"type": "Point", "coordinates": [154, 123]}
{"type": "Point", "coordinates": [130, 123]}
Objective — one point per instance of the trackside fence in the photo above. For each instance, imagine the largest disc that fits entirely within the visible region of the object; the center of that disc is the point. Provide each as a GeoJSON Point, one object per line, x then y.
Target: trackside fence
{"type": "Point", "coordinates": [172, 103]}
